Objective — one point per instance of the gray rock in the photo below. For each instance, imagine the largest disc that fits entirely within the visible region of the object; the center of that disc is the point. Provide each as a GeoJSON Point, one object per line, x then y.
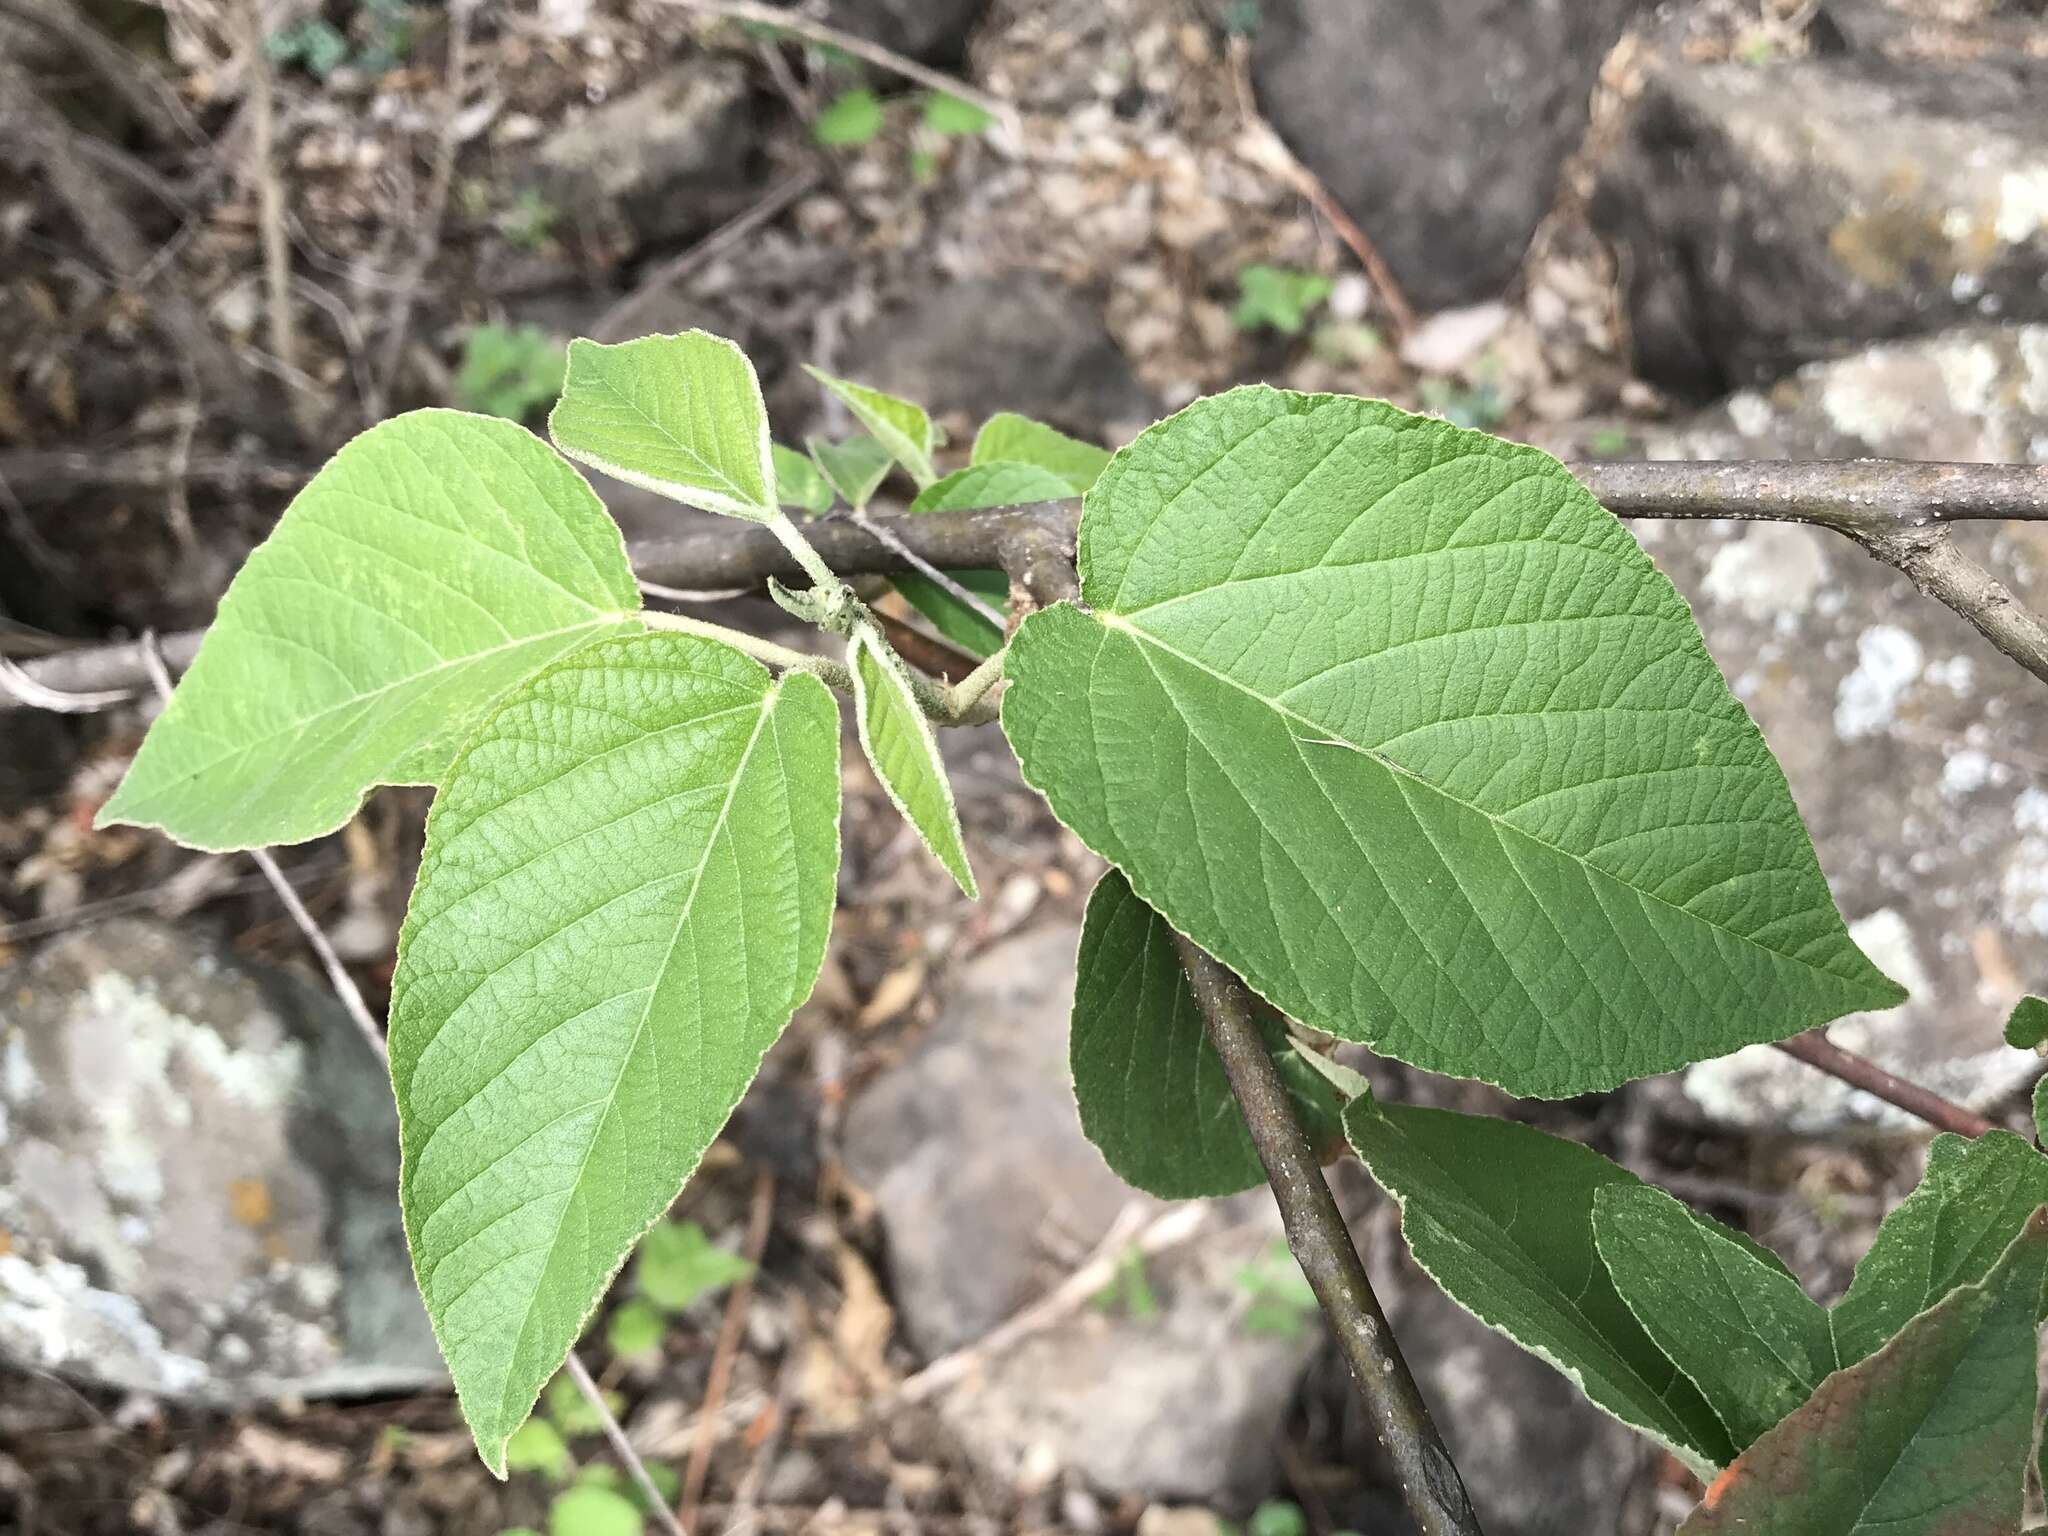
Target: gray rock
{"type": "Point", "coordinates": [1019, 342]}
{"type": "Point", "coordinates": [1769, 217]}
{"type": "Point", "coordinates": [1914, 750]}
{"type": "Point", "coordinates": [933, 30]}
{"type": "Point", "coordinates": [975, 1157]}
{"type": "Point", "coordinates": [198, 1176]}
{"type": "Point", "coordinates": [1440, 125]}
{"type": "Point", "coordinates": [668, 160]}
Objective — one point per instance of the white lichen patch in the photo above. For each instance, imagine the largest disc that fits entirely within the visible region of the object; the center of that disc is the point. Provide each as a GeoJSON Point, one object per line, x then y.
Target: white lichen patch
{"type": "Point", "coordinates": [1968, 771]}
{"type": "Point", "coordinates": [52, 1311]}
{"type": "Point", "coordinates": [1970, 371]}
{"type": "Point", "coordinates": [1770, 573]}
{"type": "Point", "coordinates": [2024, 885]}
{"type": "Point", "coordinates": [2022, 204]}
{"type": "Point", "coordinates": [1888, 662]}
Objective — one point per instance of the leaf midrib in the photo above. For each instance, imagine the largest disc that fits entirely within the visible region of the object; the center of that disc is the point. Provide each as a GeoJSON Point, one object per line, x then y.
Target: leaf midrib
{"type": "Point", "coordinates": [705, 467]}
{"type": "Point", "coordinates": [1331, 735]}
{"type": "Point", "coordinates": [768, 702]}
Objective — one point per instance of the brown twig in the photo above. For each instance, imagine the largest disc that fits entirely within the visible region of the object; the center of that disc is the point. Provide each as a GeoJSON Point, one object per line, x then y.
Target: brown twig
{"type": "Point", "coordinates": [262, 172]}
{"type": "Point", "coordinates": [621, 1446]}
{"type": "Point", "coordinates": [1430, 1484]}
{"type": "Point", "coordinates": [727, 1349]}
{"type": "Point", "coordinates": [1817, 1051]}
{"type": "Point", "coordinates": [121, 70]}
{"type": "Point", "coordinates": [799, 25]}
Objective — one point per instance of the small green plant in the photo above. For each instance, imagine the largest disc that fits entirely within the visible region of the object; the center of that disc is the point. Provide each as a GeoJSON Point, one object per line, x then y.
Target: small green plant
{"type": "Point", "coordinates": [1391, 718]}
{"type": "Point", "coordinates": [1281, 1305]}
{"type": "Point", "coordinates": [530, 221]}
{"type": "Point", "coordinates": [379, 37]}
{"type": "Point", "coordinates": [1130, 1289]}
{"type": "Point", "coordinates": [850, 118]}
{"type": "Point", "coordinates": [509, 371]}
{"type": "Point", "coordinates": [951, 117]}
{"type": "Point", "coordinates": [1478, 406]}
{"type": "Point", "coordinates": [1277, 298]}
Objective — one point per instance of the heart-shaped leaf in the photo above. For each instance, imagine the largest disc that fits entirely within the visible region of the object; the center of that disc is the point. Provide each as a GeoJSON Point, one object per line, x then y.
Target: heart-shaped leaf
{"type": "Point", "coordinates": [1927, 1437]}
{"type": "Point", "coordinates": [1400, 724]}
{"type": "Point", "coordinates": [432, 564]}
{"type": "Point", "coordinates": [626, 890]}
{"type": "Point", "coordinates": [681, 416]}
{"type": "Point", "coordinates": [1007, 438]}
{"type": "Point", "coordinates": [1151, 1089]}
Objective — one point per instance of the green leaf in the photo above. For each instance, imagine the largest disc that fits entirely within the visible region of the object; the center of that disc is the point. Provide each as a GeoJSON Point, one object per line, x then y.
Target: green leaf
{"type": "Point", "coordinates": [953, 117]}
{"type": "Point", "coordinates": [1277, 297]}
{"type": "Point", "coordinates": [1927, 1437]}
{"type": "Point", "coordinates": [798, 482]}
{"type": "Point", "coordinates": [1402, 726]}
{"type": "Point", "coordinates": [968, 490]}
{"type": "Point", "coordinates": [851, 117]}
{"type": "Point", "coordinates": [904, 753]}
{"type": "Point", "coordinates": [681, 416]}
{"type": "Point", "coordinates": [635, 1328]}
{"type": "Point", "coordinates": [2041, 1110]}
{"type": "Point", "coordinates": [679, 1266]}
{"type": "Point", "coordinates": [626, 889]}
{"type": "Point", "coordinates": [1501, 1216]}
{"type": "Point", "coordinates": [901, 427]}
{"type": "Point", "coordinates": [855, 468]}
{"type": "Point", "coordinates": [537, 1446]}
{"type": "Point", "coordinates": [1009, 438]}
{"type": "Point", "coordinates": [591, 1509]}
{"type": "Point", "coordinates": [1277, 1517]}
{"type": "Point", "coordinates": [1741, 1330]}
{"type": "Point", "coordinates": [1151, 1088]}
{"type": "Point", "coordinates": [1948, 1232]}
{"type": "Point", "coordinates": [509, 371]}
{"type": "Point", "coordinates": [433, 563]}
{"type": "Point", "coordinates": [2027, 1028]}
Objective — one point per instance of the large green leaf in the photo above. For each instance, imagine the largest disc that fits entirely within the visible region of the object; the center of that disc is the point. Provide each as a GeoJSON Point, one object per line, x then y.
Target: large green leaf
{"type": "Point", "coordinates": [681, 416]}
{"type": "Point", "coordinates": [969, 490]}
{"type": "Point", "coordinates": [1009, 438]}
{"type": "Point", "coordinates": [899, 425]}
{"type": "Point", "coordinates": [1741, 1329]}
{"type": "Point", "coordinates": [432, 564]}
{"type": "Point", "coordinates": [1501, 1216]}
{"type": "Point", "coordinates": [1151, 1088]}
{"type": "Point", "coordinates": [1948, 1232]}
{"type": "Point", "coordinates": [1927, 1437]}
{"type": "Point", "coordinates": [904, 753]}
{"type": "Point", "coordinates": [1401, 725]}
{"type": "Point", "coordinates": [626, 890]}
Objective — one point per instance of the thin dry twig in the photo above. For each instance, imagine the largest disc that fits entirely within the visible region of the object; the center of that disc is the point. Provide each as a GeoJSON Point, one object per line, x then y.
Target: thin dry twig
{"type": "Point", "coordinates": [621, 1446]}
{"type": "Point", "coordinates": [726, 1350]}
{"type": "Point", "coordinates": [800, 25]}
{"type": "Point", "coordinates": [121, 70]}
{"type": "Point", "coordinates": [398, 324]}
{"type": "Point", "coordinates": [262, 170]}
{"type": "Point", "coordinates": [1817, 1051]}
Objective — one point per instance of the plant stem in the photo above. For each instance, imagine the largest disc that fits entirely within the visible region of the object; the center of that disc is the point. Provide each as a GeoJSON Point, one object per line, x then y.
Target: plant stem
{"type": "Point", "coordinates": [822, 575]}
{"type": "Point", "coordinates": [1817, 1051]}
{"type": "Point", "coordinates": [826, 670]}
{"type": "Point", "coordinates": [1430, 1484]}
{"type": "Point", "coordinates": [635, 1467]}
{"type": "Point", "coordinates": [962, 698]}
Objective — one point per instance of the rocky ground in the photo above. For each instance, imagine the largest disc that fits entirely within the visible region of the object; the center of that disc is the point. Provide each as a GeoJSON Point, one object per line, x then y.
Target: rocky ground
{"type": "Point", "coordinates": [1703, 228]}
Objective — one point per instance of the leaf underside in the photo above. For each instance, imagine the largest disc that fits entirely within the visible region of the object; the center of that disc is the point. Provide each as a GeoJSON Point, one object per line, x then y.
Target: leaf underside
{"type": "Point", "coordinates": [901, 426]}
{"type": "Point", "coordinates": [1150, 1087]}
{"type": "Point", "coordinates": [854, 468]}
{"type": "Point", "coordinates": [968, 490]}
{"type": "Point", "coordinates": [1401, 725]}
{"type": "Point", "coordinates": [681, 416]}
{"type": "Point", "coordinates": [1501, 1216]}
{"type": "Point", "coordinates": [626, 890]}
{"type": "Point", "coordinates": [904, 753]}
{"type": "Point", "coordinates": [430, 565]}
{"type": "Point", "coordinates": [1927, 1437]}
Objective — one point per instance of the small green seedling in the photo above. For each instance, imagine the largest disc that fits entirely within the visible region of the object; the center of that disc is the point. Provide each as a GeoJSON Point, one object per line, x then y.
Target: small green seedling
{"type": "Point", "coordinates": [509, 371]}
{"type": "Point", "coordinates": [1277, 298]}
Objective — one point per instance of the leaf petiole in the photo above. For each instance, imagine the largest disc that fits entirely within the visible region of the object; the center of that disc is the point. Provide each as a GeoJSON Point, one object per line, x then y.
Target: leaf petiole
{"type": "Point", "coordinates": [829, 672]}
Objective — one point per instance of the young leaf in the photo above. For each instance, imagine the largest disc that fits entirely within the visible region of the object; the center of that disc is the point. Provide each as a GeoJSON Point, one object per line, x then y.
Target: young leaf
{"type": "Point", "coordinates": [537, 1446]}
{"type": "Point", "coordinates": [1501, 1216]}
{"type": "Point", "coordinates": [851, 117]}
{"type": "Point", "coordinates": [434, 562]}
{"type": "Point", "coordinates": [1150, 1086]}
{"type": "Point", "coordinates": [2027, 1028]}
{"type": "Point", "coordinates": [900, 747]}
{"type": "Point", "coordinates": [855, 468]}
{"type": "Point", "coordinates": [592, 1509]}
{"type": "Point", "coordinates": [953, 117]}
{"type": "Point", "coordinates": [679, 1266]}
{"type": "Point", "coordinates": [797, 481]}
{"type": "Point", "coordinates": [1401, 725]}
{"type": "Point", "coordinates": [899, 426]}
{"type": "Point", "coordinates": [626, 889]}
{"type": "Point", "coordinates": [1009, 438]}
{"type": "Point", "coordinates": [1927, 1437]}
{"type": "Point", "coordinates": [681, 416]}
{"type": "Point", "coordinates": [635, 1328]}
{"type": "Point", "coordinates": [1277, 297]}
{"type": "Point", "coordinates": [1742, 1330]}
{"type": "Point", "coordinates": [1948, 1232]}
{"type": "Point", "coordinates": [967, 490]}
